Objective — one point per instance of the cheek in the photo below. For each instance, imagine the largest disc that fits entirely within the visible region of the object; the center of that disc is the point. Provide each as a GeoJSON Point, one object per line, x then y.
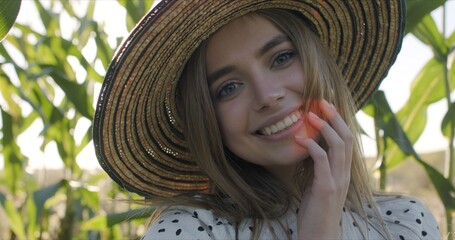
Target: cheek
{"type": "Point", "coordinates": [297, 77]}
{"type": "Point", "coordinates": [311, 131]}
{"type": "Point", "coordinates": [231, 122]}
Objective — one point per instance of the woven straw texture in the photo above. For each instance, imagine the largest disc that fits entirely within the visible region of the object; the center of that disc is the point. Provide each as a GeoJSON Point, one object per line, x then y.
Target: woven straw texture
{"type": "Point", "coordinates": [137, 133]}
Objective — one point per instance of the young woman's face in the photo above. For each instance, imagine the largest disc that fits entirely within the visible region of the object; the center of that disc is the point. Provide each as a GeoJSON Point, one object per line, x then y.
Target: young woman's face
{"type": "Point", "coordinates": [256, 80]}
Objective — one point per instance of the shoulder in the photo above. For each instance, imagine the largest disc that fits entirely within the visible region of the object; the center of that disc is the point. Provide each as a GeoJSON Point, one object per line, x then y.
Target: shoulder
{"type": "Point", "coordinates": [182, 222]}
{"type": "Point", "coordinates": [407, 218]}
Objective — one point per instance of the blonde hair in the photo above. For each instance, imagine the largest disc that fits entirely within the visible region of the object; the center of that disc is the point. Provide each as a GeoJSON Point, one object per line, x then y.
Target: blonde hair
{"type": "Point", "coordinates": [241, 189]}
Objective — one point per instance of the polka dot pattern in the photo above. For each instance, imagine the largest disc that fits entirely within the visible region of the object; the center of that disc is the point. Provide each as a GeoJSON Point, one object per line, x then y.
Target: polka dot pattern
{"type": "Point", "coordinates": [405, 218]}
{"type": "Point", "coordinates": [410, 218]}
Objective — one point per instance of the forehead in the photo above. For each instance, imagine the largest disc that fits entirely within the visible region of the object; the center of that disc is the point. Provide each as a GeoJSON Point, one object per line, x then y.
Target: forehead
{"type": "Point", "coordinates": [242, 36]}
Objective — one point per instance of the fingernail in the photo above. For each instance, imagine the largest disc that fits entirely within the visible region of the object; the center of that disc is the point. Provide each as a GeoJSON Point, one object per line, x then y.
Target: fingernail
{"type": "Point", "coordinates": [313, 115]}
{"type": "Point", "coordinates": [298, 137]}
{"type": "Point", "coordinates": [301, 140]}
{"type": "Point", "coordinates": [327, 104]}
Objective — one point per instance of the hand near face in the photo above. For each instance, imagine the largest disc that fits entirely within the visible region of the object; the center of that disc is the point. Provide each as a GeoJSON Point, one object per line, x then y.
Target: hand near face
{"type": "Point", "coordinates": [322, 204]}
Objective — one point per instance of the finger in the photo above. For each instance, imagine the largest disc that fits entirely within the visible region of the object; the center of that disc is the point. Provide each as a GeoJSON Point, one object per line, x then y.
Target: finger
{"type": "Point", "coordinates": [336, 146]}
{"type": "Point", "coordinates": [325, 183]}
{"type": "Point", "coordinates": [340, 126]}
{"type": "Point", "coordinates": [322, 171]}
{"type": "Point", "coordinates": [336, 121]}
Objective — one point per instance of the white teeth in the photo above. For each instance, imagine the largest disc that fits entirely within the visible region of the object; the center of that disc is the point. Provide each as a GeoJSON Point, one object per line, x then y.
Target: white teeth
{"type": "Point", "coordinates": [274, 128]}
{"type": "Point", "coordinates": [288, 121]}
{"type": "Point", "coordinates": [281, 125]}
{"type": "Point", "coordinates": [294, 118]}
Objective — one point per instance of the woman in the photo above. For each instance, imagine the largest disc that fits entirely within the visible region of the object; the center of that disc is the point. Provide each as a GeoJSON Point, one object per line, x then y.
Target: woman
{"type": "Point", "coordinates": [239, 120]}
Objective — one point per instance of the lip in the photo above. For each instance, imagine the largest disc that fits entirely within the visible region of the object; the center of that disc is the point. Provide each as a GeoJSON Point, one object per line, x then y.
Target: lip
{"type": "Point", "coordinates": [284, 133]}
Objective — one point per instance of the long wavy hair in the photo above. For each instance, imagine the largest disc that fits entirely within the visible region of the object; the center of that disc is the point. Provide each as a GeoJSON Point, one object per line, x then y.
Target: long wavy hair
{"type": "Point", "coordinates": [241, 189]}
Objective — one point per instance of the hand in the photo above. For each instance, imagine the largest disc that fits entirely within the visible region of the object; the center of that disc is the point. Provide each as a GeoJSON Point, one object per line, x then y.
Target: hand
{"type": "Point", "coordinates": [322, 203]}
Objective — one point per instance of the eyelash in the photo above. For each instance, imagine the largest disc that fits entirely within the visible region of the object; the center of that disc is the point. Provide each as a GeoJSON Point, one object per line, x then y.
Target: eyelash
{"type": "Point", "coordinates": [221, 93]}
{"type": "Point", "coordinates": [289, 54]}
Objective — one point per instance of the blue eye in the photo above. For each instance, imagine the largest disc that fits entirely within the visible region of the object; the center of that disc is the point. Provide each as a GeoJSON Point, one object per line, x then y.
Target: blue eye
{"type": "Point", "coordinates": [283, 58]}
{"type": "Point", "coordinates": [227, 89]}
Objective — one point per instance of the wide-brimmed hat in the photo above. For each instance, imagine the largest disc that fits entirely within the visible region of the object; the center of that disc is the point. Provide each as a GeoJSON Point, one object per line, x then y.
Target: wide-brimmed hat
{"type": "Point", "coordinates": [137, 131]}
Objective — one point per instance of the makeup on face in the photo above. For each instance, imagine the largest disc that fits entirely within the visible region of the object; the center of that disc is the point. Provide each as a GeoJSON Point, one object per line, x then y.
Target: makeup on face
{"type": "Point", "coordinates": [256, 79]}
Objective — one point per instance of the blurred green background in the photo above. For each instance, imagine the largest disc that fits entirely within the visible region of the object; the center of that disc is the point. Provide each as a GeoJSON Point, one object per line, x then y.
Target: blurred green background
{"type": "Point", "coordinates": [52, 64]}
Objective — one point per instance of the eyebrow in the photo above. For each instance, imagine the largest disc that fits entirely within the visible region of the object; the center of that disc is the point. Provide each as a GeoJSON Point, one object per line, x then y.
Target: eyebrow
{"type": "Point", "coordinates": [219, 73]}
{"type": "Point", "coordinates": [277, 40]}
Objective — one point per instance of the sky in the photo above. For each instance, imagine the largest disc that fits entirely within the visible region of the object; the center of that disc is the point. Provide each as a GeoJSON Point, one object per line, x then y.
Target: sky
{"type": "Point", "coordinates": [396, 87]}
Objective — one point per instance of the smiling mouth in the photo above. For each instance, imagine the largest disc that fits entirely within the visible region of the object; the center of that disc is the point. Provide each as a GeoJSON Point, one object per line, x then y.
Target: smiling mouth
{"type": "Point", "coordinates": [281, 125]}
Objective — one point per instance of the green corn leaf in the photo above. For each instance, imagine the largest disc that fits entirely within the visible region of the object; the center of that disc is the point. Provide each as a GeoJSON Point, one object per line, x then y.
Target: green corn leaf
{"type": "Point", "coordinates": [135, 9]}
{"type": "Point", "coordinates": [110, 220]}
{"type": "Point", "coordinates": [417, 9]}
{"type": "Point", "coordinates": [14, 217]}
{"type": "Point", "coordinates": [8, 15]}
{"type": "Point", "coordinates": [40, 196]}
{"type": "Point", "coordinates": [448, 120]}
{"type": "Point", "coordinates": [88, 136]}
{"type": "Point", "coordinates": [8, 91]}
{"type": "Point", "coordinates": [76, 93]}
{"type": "Point", "coordinates": [104, 52]}
{"type": "Point", "coordinates": [427, 32]}
{"type": "Point", "coordinates": [13, 158]}
{"type": "Point", "coordinates": [66, 146]}
{"type": "Point", "coordinates": [429, 85]}
{"type": "Point", "coordinates": [393, 130]}
{"type": "Point", "coordinates": [90, 9]}
{"type": "Point", "coordinates": [68, 8]}
{"type": "Point", "coordinates": [368, 108]}
{"type": "Point", "coordinates": [48, 18]}
{"type": "Point", "coordinates": [5, 54]}
{"type": "Point", "coordinates": [427, 88]}
{"type": "Point", "coordinates": [96, 178]}
{"type": "Point", "coordinates": [451, 40]}
{"type": "Point", "coordinates": [84, 33]}
{"type": "Point", "coordinates": [385, 119]}
{"type": "Point", "coordinates": [72, 50]}
{"type": "Point", "coordinates": [33, 222]}
{"type": "Point", "coordinates": [42, 105]}
{"type": "Point", "coordinates": [87, 24]}
{"type": "Point", "coordinates": [28, 121]}
{"type": "Point", "coordinates": [89, 198]}
{"type": "Point", "coordinates": [45, 15]}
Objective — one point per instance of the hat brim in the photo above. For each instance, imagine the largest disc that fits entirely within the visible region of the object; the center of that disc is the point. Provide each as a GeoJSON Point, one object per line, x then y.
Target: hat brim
{"type": "Point", "coordinates": [137, 133]}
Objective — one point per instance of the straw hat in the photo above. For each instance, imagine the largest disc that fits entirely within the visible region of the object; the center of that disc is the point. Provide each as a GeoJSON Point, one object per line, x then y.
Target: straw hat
{"type": "Point", "coordinates": [137, 133]}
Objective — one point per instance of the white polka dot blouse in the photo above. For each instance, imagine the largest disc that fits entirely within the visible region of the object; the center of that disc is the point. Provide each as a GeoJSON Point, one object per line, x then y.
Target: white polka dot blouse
{"type": "Point", "coordinates": [404, 217]}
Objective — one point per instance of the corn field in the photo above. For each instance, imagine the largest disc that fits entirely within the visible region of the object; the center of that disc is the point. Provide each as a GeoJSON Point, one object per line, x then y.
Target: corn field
{"type": "Point", "coordinates": [50, 74]}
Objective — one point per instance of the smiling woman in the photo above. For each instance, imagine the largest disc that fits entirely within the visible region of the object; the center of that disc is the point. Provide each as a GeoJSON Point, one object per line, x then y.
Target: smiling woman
{"type": "Point", "coordinates": [240, 121]}
{"type": "Point", "coordinates": [261, 72]}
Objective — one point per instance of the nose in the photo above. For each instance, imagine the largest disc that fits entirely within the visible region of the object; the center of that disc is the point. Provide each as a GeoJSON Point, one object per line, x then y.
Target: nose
{"type": "Point", "coordinates": [267, 95]}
